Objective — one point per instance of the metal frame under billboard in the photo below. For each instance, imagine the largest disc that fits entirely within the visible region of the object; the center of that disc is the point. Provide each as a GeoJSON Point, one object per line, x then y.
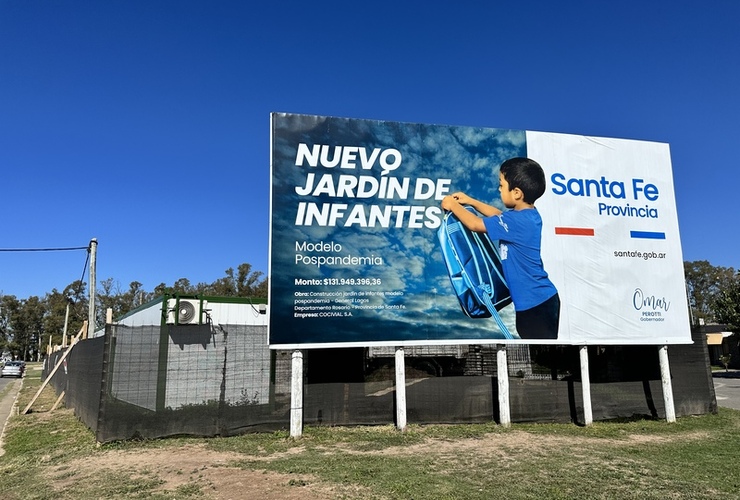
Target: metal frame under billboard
{"type": "Point", "coordinates": [357, 256]}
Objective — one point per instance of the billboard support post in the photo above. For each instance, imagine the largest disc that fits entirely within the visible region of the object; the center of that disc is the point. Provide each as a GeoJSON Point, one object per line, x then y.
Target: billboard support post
{"type": "Point", "coordinates": [588, 417]}
{"type": "Point", "coordinates": [502, 373]}
{"type": "Point", "coordinates": [665, 377]}
{"type": "Point", "coordinates": [296, 395]}
{"type": "Point", "coordinates": [400, 390]}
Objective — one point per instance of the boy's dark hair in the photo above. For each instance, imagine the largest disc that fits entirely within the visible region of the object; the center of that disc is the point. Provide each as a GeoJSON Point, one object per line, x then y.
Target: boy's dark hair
{"type": "Point", "coordinates": [525, 174]}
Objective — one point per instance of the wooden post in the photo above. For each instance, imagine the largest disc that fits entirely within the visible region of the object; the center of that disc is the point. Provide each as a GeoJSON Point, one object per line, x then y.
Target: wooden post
{"type": "Point", "coordinates": [59, 400]}
{"type": "Point", "coordinates": [66, 323]}
{"type": "Point", "coordinates": [296, 395]}
{"type": "Point", "coordinates": [502, 372]}
{"type": "Point", "coordinates": [665, 378]}
{"type": "Point", "coordinates": [400, 390]}
{"type": "Point", "coordinates": [93, 249]}
{"type": "Point", "coordinates": [588, 416]}
{"type": "Point", "coordinates": [59, 363]}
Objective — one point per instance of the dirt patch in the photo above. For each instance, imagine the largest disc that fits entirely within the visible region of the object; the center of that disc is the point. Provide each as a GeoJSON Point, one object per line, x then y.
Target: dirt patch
{"type": "Point", "coordinates": [193, 466]}
{"type": "Point", "coordinates": [500, 445]}
{"type": "Point", "coordinates": [217, 476]}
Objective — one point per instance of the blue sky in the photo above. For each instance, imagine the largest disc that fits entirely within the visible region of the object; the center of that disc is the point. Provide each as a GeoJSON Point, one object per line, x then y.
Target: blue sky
{"type": "Point", "coordinates": [145, 124]}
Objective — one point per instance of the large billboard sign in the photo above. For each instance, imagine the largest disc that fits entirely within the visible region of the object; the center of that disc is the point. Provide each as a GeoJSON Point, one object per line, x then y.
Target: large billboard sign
{"type": "Point", "coordinates": [362, 251]}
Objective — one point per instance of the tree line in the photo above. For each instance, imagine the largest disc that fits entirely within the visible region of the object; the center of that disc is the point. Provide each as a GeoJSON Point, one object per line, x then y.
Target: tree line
{"type": "Point", "coordinates": [713, 293]}
{"type": "Point", "coordinates": [26, 325]}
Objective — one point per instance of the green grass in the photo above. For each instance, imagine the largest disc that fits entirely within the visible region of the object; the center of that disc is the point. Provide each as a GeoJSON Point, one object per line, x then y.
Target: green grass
{"type": "Point", "coordinates": [694, 458]}
{"type": "Point", "coordinates": [690, 459]}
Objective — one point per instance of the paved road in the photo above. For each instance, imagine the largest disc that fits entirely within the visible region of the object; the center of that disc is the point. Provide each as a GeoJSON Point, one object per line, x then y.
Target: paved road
{"type": "Point", "coordinates": [727, 388]}
{"type": "Point", "coordinates": [6, 403]}
{"type": "Point", "coordinates": [4, 381]}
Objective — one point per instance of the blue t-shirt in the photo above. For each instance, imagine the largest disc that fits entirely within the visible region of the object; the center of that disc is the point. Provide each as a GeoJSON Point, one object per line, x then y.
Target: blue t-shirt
{"type": "Point", "coordinates": [520, 235]}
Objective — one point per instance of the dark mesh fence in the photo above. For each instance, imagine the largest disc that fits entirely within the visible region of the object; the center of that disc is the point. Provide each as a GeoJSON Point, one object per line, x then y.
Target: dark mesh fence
{"type": "Point", "coordinates": [153, 381]}
{"type": "Point", "coordinates": [79, 377]}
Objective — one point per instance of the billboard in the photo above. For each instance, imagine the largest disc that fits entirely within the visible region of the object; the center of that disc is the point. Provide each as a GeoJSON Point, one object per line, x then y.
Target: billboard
{"type": "Point", "coordinates": [363, 253]}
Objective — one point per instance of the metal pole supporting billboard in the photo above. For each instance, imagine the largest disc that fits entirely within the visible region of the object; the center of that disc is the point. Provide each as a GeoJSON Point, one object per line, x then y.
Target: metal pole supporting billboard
{"type": "Point", "coordinates": [502, 368]}
{"type": "Point", "coordinates": [665, 377]}
{"type": "Point", "coordinates": [400, 389]}
{"type": "Point", "coordinates": [588, 416]}
{"type": "Point", "coordinates": [296, 395]}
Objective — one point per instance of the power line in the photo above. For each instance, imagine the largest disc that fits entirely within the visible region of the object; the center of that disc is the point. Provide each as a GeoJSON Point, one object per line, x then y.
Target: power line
{"type": "Point", "coordinates": [63, 249]}
{"type": "Point", "coordinates": [56, 249]}
{"type": "Point", "coordinates": [82, 278]}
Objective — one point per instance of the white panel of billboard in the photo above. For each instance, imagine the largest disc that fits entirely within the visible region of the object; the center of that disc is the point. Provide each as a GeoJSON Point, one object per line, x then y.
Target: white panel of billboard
{"type": "Point", "coordinates": [609, 215]}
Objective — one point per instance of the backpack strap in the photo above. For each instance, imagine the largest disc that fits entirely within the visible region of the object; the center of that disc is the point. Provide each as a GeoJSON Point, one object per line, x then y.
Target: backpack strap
{"type": "Point", "coordinates": [487, 301]}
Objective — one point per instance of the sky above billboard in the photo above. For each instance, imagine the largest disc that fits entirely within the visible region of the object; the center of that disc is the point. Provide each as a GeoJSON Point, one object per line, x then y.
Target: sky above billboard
{"type": "Point", "coordinates": [146, 125]}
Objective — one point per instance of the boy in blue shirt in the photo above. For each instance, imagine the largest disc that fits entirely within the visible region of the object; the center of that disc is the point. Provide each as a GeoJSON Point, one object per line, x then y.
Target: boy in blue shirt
{"type": "Point", "coordinates": [519, 231]}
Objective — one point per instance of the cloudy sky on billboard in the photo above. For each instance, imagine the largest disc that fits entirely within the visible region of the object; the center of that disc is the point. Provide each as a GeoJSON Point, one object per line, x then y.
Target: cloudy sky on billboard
{"type": "Point", "coordinates": [412, 262]}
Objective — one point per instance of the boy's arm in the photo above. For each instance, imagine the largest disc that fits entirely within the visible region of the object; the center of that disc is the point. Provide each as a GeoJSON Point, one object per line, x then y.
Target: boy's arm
{"type": "Point", "coordinates": [484, 208]}
{"type": "Point", "coordinates": [468, 219]}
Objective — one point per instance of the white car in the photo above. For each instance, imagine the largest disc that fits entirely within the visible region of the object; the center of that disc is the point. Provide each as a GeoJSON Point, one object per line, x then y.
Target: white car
{"type": "Point", "coordinates": [12, 369]}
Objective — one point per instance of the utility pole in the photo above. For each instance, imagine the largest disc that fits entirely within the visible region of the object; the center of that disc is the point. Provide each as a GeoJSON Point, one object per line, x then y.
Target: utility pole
{"type": "Point", "coordinates": [93, 249]}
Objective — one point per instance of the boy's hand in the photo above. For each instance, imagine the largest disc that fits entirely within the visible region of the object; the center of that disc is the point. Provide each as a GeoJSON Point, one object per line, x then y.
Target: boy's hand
{"type": "Point", "coordinates": [448, 202]}
{"type": "Point", "coordinates": [462, 198]}
{"type": "Point", "coordinates": [457, 199]}
{"type": "Point", "coordinates": [453, 203]}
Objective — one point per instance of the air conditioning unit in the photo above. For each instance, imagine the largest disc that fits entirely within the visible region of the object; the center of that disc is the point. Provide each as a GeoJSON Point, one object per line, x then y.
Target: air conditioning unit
{"type": "Point", "coordinates": [186, 311]}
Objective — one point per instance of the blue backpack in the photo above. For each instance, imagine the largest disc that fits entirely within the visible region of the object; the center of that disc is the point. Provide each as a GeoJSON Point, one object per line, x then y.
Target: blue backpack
{"type": "Point", "coordinates": [474, 266]}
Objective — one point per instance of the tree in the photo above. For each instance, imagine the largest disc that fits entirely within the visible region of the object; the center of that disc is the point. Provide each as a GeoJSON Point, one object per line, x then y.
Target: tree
{"type": "Point", "coordinates": [27, 327]}
{"type": "Point", "coordinates": [56, 311]}
{"type": "Point", "coordinates": [56, 305]}
{"type": "Point", "coordinates": [224, 287]}
{"type": "Point", "coordinates": [9, 306]}
{"type": "Point", "coordinates": [27, 324]}
{"type": "Point", "coordinates": [135, 296]}
{"type": "Point", "coordinates": [160, 290]}
{"type": "Point", "coordinates": [108, 297]}
{"type": "Point", "coordinates": [705, 283]}
{"type": "Point", "coordinates": [727, 304]}
{"type": "Point", "coordinates": [261, 289]}
{"type": "Point", "coordinates": [183, 286]}
{"type": "Point", "coordinates": [76, 293]}
{"type": "Point", "coordinates": [247, 281]}
{"type": "Point", "coordinates": [243, 283]}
